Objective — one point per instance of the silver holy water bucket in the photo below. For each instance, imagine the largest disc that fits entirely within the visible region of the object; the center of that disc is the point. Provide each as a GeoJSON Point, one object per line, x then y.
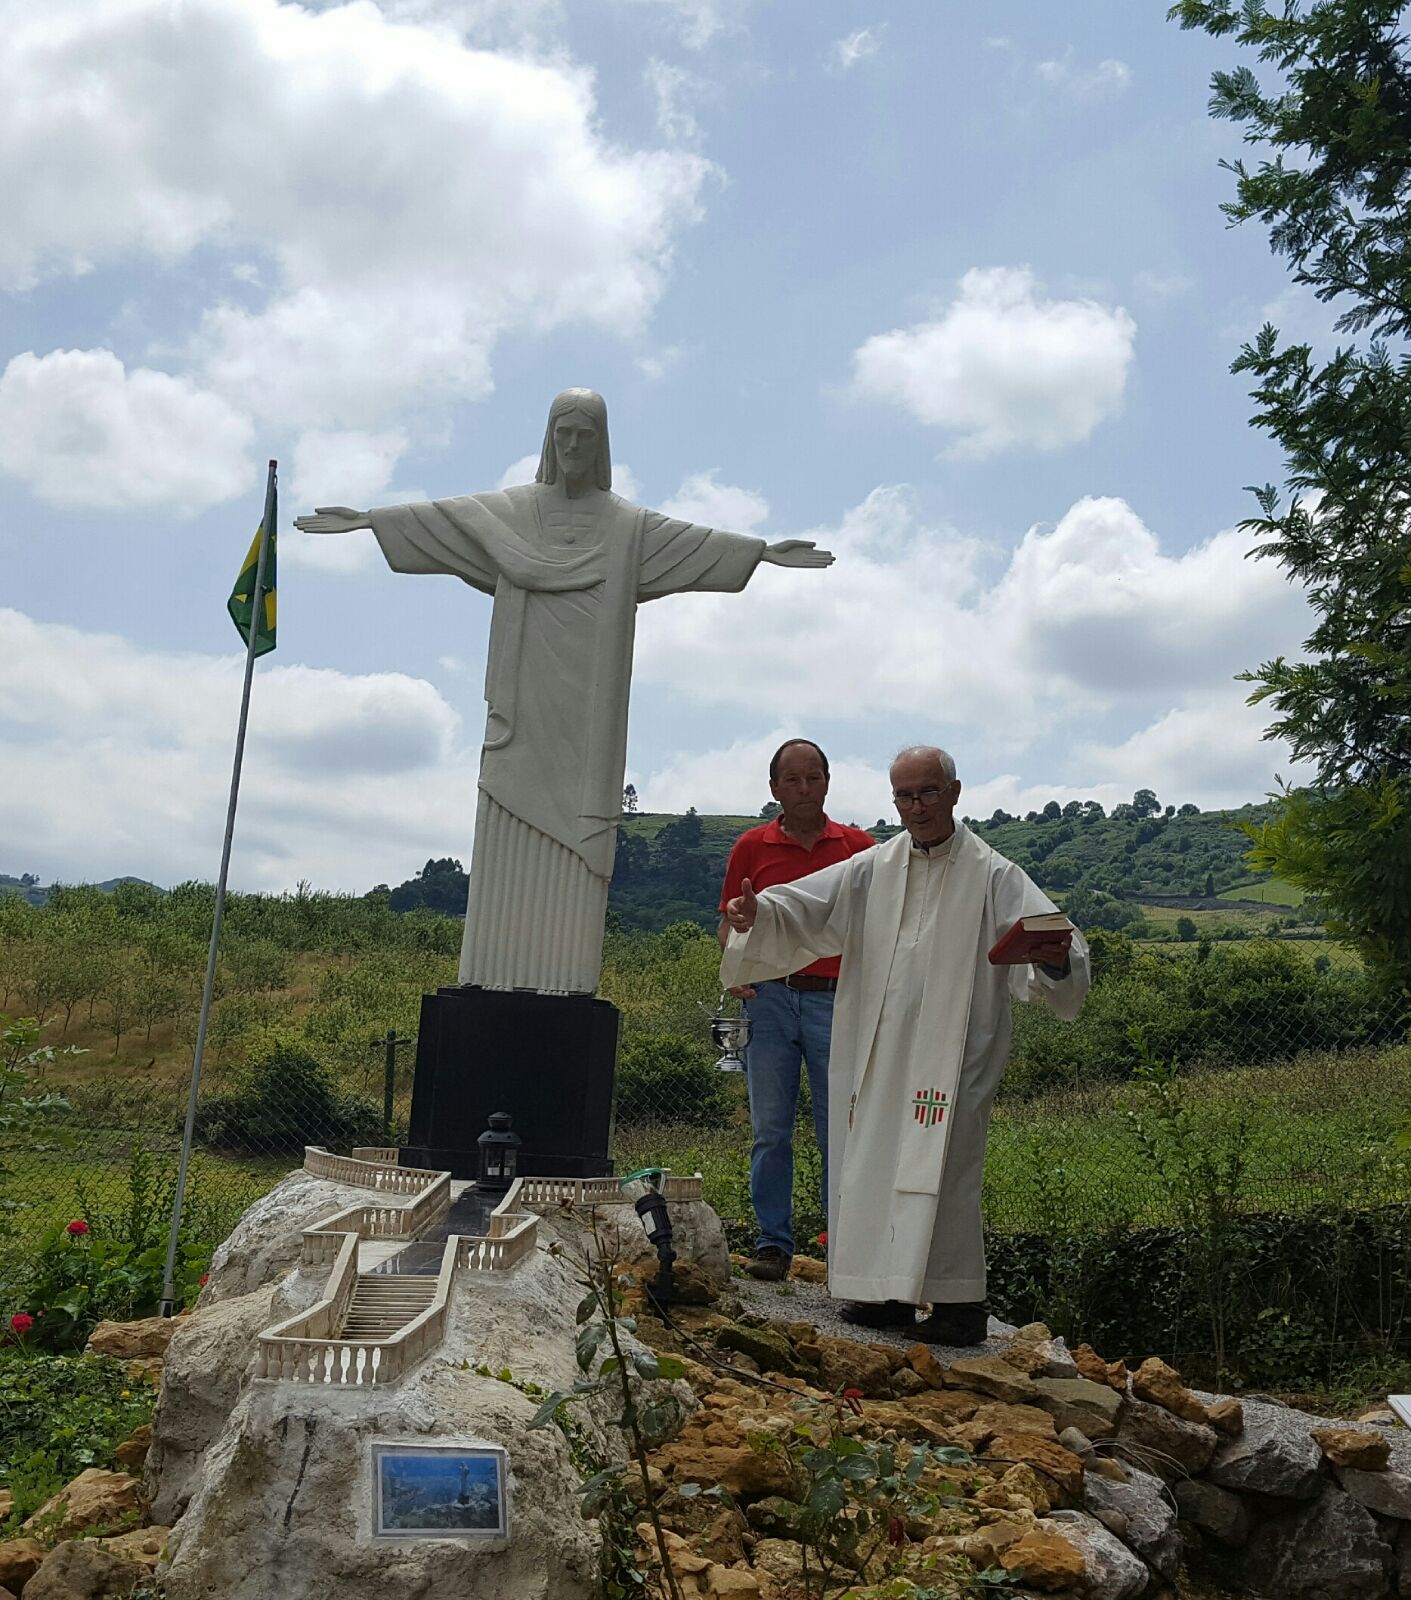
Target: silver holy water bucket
{"type": "Point", "coordinates": [729, 1035]}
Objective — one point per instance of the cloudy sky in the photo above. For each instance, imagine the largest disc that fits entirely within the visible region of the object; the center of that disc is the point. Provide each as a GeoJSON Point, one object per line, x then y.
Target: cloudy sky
{"type": "Point", "coordinates": [944, 286]}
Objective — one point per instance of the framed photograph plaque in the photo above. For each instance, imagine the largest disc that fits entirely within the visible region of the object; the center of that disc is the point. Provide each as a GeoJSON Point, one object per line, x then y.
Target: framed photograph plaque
{"type": "Point", "coordinates": [439, 1491]}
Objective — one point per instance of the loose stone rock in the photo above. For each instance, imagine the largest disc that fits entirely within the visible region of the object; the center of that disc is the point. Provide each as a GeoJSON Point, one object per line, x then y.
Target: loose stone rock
{"type": "Point", "coordinates": [19, 1561]}
{"type": "Point", "coordinates": [132, 1452]}
{"type": "Point", "coordinates": [780, 1558]}
{"type": "Point", "coordinates": [142, 1545]}
{"type": "Point", "coordinates": [1080, 1403]}
{"type": "Point", "coordinates": [1049, 1561]}
{"type": "Point", "coordinates": [922, 1362]}
{"type": "Point", "coordinates": [806, 1270]}
{"type": "Point", "coordinates": [1023, 1482]}
{"type": "Point", "coordinates": [130, 1341]}
{"type": "Point", "coordinates": [1148, 1515]}
{"type": "Point", "coordinates": [1274, 1455]}
{"type": "Point", "coordinates": [1055, 1465]}
{"type": "Point", "coordinates": [1329, 1549]}
{"type": "Point", "coordinates": [81, 1569]}
{"type": "Point", "coordinates": [1216, 1511]}
{"type": "Point", "coordinates": [1351, 1447]}
{"type": "Point", "coordinates": [906, 1382]}
{"type": "Point", "coordinates": [95, 1499]}
{"type": "Point", "coordinates": [1076, 1440]}
{"type": "Point", "coordinates": [846, 1365]}
{"type": "Point", "coordinates": [991, 1376]}
{"type": "Point", "coordinates": [766, 1346]}
{"type": "Point", "coordinates": [1226, 1416]}
{"type": "Point", "coordinates": [1001, 1418]}
{"type": "Point", "coordinates": [747, 1474]}
{"type": "Point", "coordinates": [1165, 1444]}
{"type": "Point", "coordinates": [1154, 1380]}
{"type": "Point", "coordinates": [948, 1406]}
{"type": "Point", "coordinates": [1386, 1493]}
{"type": "Point", "coordinates": [1110, 1570]}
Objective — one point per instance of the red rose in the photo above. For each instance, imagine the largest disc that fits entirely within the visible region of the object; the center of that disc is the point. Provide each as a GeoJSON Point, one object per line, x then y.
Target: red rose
{"type": "Point", "coordinates": [78, 1227]}
{"type": "Point", "coordinates": [21, 1323]}
{"type": "Point", "coordinates": [822, 1239]}
{"type": "Point", "coordinates": [205, 1279]}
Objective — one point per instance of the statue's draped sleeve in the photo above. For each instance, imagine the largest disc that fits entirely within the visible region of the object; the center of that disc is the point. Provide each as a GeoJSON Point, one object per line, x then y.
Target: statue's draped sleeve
{"type": "Point", "coordinates": [677, 556]}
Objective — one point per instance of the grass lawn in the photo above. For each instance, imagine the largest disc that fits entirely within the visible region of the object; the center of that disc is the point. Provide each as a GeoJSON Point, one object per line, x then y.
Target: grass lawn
{"type": "Point", "coordinates": [1272, 891]}
{"type": "Point", "coordinates": [1318, 1132]}
{"type": "Point", "coordinates": [1210, 922]}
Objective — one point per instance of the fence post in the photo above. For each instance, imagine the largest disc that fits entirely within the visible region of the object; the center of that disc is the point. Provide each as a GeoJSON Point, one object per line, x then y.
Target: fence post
{"type": "Point", "coordinates": [391, 1043]}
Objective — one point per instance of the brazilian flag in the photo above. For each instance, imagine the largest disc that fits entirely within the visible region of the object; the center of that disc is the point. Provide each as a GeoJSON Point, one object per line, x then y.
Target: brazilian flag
{"type": "Point", "coordinates": [241, 596]}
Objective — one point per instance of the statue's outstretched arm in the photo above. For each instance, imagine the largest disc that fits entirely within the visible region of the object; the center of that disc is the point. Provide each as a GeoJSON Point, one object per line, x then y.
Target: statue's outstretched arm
{"type": "Point", "coordinates": [797, 553]}
{"type": "Point", "coordinates": [334, 519]}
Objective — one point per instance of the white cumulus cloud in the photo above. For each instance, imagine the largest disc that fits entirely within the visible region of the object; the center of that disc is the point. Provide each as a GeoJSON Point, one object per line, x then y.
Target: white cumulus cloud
{"type": "Point", "coordinates": [1087, 620]}
{"type": "Point", "coordinates": [1002, 367]}
{"type": "Point", "coordinates": [404, 198]}
{"type": "Point", "coordinates": [82, 430]}
{"type": "Point", "coordinates": [349, 779]}
{"type": "Point", "coordinates": [703, 498]}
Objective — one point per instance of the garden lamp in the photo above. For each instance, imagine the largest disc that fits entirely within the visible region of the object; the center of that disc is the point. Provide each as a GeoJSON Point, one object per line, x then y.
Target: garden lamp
{"type": "Point", "coordinates": [499, 1153]}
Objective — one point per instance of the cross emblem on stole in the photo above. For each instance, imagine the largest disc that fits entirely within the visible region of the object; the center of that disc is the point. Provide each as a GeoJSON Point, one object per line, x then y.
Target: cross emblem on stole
{"type": "Point", "coordinates": [929, 1107]}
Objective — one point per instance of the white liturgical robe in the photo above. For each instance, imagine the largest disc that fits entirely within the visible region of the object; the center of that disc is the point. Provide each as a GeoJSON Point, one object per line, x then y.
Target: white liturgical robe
{"type": "Point", "coordinates": [921, 1032]}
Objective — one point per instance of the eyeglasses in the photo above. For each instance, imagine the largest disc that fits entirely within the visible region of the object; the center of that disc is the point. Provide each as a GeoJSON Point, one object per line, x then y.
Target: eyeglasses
{"type": "Point", "coordinates": [902, 798]}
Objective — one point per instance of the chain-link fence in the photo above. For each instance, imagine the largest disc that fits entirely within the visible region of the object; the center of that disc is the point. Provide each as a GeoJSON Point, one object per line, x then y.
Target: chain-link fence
{"type": "Point", "coordinates": [1291, 1066]}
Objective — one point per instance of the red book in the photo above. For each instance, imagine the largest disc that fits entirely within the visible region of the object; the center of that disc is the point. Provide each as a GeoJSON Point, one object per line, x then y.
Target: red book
{"type": "Point", "coordinates": [1017, 946]}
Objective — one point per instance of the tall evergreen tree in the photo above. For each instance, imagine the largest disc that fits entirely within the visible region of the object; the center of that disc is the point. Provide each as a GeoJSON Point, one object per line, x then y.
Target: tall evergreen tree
{"type": "Point", "coordinates": [1333, 186]}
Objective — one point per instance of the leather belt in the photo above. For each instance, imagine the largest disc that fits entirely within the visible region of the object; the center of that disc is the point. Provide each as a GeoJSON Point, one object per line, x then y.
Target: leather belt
{"type": "Point", "coordinates": [807, 983]}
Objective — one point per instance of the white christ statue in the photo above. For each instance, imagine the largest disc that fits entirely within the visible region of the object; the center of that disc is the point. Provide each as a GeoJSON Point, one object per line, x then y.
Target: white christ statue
{"type": "Point", "coordinates": [567, 562]}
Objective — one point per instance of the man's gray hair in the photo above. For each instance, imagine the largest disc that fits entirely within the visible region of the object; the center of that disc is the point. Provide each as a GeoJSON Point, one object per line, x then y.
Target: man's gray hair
{"type": "Point", "coordinates": [943, 757]}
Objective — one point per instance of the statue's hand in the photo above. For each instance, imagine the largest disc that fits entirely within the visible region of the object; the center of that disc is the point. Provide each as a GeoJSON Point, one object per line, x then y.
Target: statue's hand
{"type": "Point", "coordinates": [333, 519]}
{"type": "Point", "coordinates": [797, 553]}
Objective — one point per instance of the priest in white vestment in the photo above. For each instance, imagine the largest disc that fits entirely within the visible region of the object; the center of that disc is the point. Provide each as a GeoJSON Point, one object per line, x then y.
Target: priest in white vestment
{"type": "Point", "coordinates": [921, 1033]}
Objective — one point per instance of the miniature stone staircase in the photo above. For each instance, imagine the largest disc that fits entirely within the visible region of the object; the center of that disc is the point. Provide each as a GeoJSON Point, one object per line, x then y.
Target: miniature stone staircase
{"type": "Point", "coordinates": [383, 1303]}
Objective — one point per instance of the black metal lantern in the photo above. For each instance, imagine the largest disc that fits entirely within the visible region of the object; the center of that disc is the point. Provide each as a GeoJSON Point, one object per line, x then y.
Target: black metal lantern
{"type": "Point", "coordinates": [656, 1219]}
{"type": "Point", "coordinates": [499, 1153]}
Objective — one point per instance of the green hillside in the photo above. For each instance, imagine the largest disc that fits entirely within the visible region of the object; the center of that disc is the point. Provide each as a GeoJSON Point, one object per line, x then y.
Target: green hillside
{"type": "Point", "coordinates": [1101, 868]}
{"type": "Point", "coordinates": [1141, 865]}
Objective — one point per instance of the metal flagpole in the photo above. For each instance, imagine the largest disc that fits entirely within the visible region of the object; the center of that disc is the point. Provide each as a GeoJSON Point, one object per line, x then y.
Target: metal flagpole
{"type": "Point", "coordinates": [266, 534]}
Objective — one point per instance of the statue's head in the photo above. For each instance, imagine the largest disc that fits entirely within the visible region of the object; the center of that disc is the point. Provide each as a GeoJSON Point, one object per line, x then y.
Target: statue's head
{"type": "Point", "coordinates": [576, 439]}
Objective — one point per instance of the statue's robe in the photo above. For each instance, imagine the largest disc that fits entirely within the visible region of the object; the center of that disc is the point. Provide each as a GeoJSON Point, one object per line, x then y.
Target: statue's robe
{"type": "Point", "coordinates": [556, 686]}
{"type": "Point", "coordinates": [921, 1031]}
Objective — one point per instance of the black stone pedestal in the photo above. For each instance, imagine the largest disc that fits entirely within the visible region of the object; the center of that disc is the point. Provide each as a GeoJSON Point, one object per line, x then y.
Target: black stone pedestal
{"type": "Point", "coordinates": [547, 1059]}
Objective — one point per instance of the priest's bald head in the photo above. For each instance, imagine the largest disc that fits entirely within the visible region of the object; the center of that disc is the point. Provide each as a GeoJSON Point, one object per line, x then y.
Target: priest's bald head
{"type": "Point", "coordinates": [925, 790]}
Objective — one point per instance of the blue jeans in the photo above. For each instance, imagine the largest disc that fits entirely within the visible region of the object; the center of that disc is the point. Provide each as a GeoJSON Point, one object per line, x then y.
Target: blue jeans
{"type": "Point", "coordinates": [786, 1026]}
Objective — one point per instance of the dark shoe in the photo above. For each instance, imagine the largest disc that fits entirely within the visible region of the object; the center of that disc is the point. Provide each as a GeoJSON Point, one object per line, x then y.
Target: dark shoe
{"type": "Point", "coordinates": [962, 1325]}
{"type": "Point", "coordinates": [877, 1313]}
{"type": "Point", "coordinates": [770, 1264]}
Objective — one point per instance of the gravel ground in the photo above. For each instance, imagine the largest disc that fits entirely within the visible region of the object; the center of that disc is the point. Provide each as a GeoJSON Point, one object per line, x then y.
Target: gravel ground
{"type": "Point", "coordinates": [793, 1301]}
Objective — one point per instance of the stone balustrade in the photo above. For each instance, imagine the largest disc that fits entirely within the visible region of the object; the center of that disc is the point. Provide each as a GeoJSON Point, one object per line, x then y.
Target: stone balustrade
{"type": "Point", "coordinates": [497, 1251]}
{"type": "Point", "coordinates": [367, 1174]}
{"type": "Point", "coordinates": [376, 1152]}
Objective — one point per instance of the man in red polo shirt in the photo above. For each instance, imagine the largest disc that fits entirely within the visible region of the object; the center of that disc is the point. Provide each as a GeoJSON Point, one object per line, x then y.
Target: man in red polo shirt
{"type": "Point", "coordinates": [791, 1018]}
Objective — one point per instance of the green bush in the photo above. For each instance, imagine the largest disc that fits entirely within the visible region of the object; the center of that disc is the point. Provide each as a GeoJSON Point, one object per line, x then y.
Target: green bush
{"type": "Point", "coordinates": [1311, 1296]}
{"type": "Point", "coordinates": [59, 1415]}
{"type": "Point", "coordinates": [282, 1102]}
{"type": "Point", "coordinates": [668, 1074]}
{"type": "Point", "coordinates": [1254, 1002]}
